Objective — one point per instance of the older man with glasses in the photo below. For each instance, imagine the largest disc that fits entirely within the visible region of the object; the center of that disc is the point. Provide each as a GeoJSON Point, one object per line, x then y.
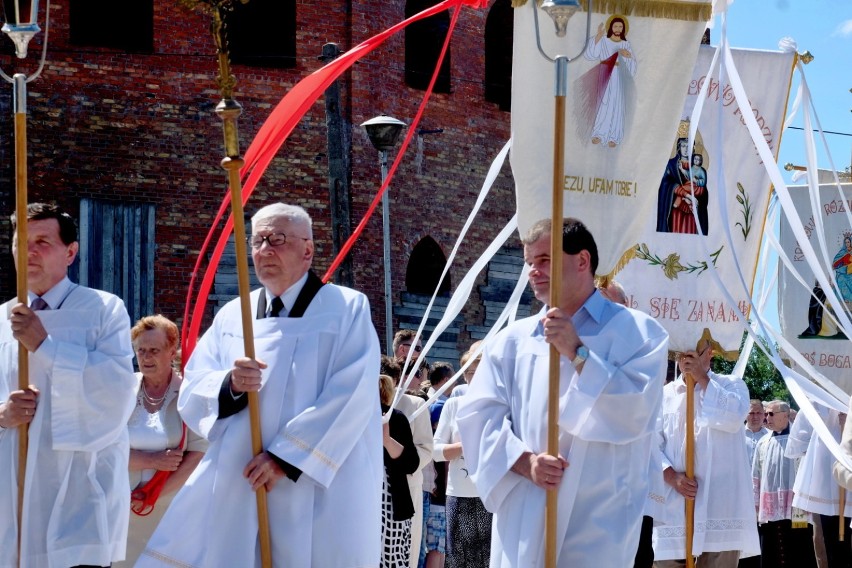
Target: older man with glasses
{"type": "Point", "coordinates": [315, 374]}
{"type": "Point", "coordinates": [774, 475]}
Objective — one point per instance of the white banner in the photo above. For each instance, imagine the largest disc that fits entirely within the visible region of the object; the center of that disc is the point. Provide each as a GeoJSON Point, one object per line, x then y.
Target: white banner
{"type": "Point", "coordinates": [669, 275]}
{"type": "Point", "coordinates": [624, 101]}
{"type": "Point", "coordinates": [805, 310]}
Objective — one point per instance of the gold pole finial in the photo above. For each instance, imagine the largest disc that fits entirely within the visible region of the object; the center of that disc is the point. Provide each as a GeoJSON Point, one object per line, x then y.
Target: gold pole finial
{"type": "Point", "coordinates": [806, 57]}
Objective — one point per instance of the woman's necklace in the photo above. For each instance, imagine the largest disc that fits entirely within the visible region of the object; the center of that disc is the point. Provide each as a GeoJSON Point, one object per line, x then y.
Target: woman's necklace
{"type": "Point", "coordinates": [150, 400]}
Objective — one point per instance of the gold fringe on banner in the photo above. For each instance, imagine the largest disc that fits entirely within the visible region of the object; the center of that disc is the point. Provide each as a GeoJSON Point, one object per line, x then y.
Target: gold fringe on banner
{"type": "Point", "coordinates": [604, 279]}
{"type": "Point", "coordinates": [688, 11]}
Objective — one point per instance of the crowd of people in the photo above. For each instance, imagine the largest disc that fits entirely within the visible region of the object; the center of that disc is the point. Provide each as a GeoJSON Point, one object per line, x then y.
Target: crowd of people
{"type": "Point", "coordinates": [429, 470]}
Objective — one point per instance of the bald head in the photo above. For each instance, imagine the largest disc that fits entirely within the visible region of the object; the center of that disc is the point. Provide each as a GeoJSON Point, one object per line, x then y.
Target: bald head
{"type": "Point", "coordinates": [614, 292]}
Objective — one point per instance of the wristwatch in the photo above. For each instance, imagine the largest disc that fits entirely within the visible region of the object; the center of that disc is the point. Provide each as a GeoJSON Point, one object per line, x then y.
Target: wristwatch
{"type": "Point", "coordinates": [580, 358]}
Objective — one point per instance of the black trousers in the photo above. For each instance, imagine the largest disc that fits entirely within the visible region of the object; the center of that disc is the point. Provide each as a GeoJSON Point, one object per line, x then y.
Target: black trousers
{"type": "Point", "coordinates": [839, 553]}
{"type": "Point", "coordinates": [782, 545]}
{"type": "Point", "coordinates": [645, 552]}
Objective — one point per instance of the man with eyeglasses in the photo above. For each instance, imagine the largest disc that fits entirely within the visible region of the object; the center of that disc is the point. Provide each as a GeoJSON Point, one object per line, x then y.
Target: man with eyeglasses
{"type": "Point", "coordinates": [315, 373]}
{"type": "Point", "coordinates": [774, 475]}
{"type": "Point", "coordinates": [402, 342]}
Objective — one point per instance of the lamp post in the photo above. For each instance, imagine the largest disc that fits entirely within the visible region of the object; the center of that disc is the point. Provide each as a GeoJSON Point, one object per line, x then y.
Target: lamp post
{"type": "Point", "coordinates": [560, 11]}
{"type": "Point", "coordinates": [383, 132]}
{"type": "Point", "coordinates": [21, 25]}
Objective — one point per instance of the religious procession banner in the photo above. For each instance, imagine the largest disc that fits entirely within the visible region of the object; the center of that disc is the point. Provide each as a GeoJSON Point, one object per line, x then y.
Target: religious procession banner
{"type": "Point", "coordinates": [806, 314]}
{"type": "Point", "coordinates": [651, 201]}
{"type": "Point", "coordinates": [624, 101]}
{"type": "Point", "coordinates": [669, 274]}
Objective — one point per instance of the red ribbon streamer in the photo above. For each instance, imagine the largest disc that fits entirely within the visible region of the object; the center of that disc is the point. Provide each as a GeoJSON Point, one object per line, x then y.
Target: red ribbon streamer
{"type": "Point", "coordinates": [272, 136]}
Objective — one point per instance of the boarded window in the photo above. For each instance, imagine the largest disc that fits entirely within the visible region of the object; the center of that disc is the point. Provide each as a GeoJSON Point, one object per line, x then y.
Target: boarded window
{"type": "Point", "coordinates": [117, 250]}
{"type": "Point", "coordinates": [498, 54]}
{"type": "Point", "coordinates": [262, 33]}
{"type": "Point", "coordinates": [126, 25]}
{"type": "Point", "coordinates": [424, 40]}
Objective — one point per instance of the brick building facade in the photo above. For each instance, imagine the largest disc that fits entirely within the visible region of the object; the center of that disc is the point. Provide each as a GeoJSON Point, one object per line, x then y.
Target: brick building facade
{"type": "Point", "coordinates": [119, 134]}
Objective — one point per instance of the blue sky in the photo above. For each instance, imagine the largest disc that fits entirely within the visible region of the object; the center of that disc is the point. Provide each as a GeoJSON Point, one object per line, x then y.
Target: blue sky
{"type": "Point", "coordinates": [823, 27]}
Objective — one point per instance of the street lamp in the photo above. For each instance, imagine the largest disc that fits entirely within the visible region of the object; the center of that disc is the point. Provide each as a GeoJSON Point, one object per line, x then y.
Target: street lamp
{"type": "Point", "coordinates": [560, 11]}
{"type": "Point", "coordinates": [21, 25]}
{"type": "Point", "coordinates": [383, 132]}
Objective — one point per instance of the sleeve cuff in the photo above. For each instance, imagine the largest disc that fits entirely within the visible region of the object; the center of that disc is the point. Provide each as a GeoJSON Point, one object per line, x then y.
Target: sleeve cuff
{"type": "Point", "coordinates": [292, 471]}
{"type": "Point", "coordinates": [230, 404]}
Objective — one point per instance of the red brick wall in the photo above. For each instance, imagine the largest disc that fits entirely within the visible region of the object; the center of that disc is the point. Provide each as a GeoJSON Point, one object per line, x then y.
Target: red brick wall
{"type": "Point", "coordinates": [141, 128]}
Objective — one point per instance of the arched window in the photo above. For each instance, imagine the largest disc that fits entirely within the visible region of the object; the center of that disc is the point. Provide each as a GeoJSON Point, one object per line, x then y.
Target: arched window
{"type": "Point", "coordinates": [423, 42]}
{"type": "Point", "coordinates": [498, 54]}
{"type": "Point", "coordinates": [425, 265]}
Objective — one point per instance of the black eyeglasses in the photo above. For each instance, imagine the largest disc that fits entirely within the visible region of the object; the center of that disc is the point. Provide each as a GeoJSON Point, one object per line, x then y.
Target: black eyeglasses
{"type": "Point", "coordinates": [417, 348]}
{"type": "Point", "coordinates": [274, 240]}
{"type": "Point", "coordinates": [776, 412]}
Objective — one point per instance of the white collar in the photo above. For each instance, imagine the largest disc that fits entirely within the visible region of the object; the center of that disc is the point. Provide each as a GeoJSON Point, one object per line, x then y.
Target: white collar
{"type": "Point", "coordinates": [289, 296]}
{"type": "Point", "coordinates": [56, 295]}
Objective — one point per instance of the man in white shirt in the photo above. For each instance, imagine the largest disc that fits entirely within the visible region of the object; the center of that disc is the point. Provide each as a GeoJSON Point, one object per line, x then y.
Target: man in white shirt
{"type": "Point", "coordinates": [815, 491]}
{"type": "Point", "coordinates": [82, 392]}
{"type": "Point", "coordinates": [774, 475]}
{"type": "Point", "coordinates": [725, 528]}
{"type": "Point", "coordinates": [754, 428]}
{"type": "Point", "coordinates": [612, 359]}
{"type": "Point", "coordinates": [316, 370]}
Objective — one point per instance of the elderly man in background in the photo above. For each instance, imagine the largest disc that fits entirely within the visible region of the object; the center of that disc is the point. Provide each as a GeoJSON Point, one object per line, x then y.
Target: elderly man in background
{"type": "Point", "coordinates": [316, 369]}
{"type": "Point", "coordinates": [611, 361]}
{"type": "Point", "coordinates": [774, 474]}
{"type": "Point", "coordinates": [722, 489]}
{"type": "Point", "coordinates": [82, 391]}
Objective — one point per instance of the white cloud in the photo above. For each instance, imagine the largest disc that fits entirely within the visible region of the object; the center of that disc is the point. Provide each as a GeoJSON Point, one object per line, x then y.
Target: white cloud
{"type": "Point", "coordinates": [844, 29]}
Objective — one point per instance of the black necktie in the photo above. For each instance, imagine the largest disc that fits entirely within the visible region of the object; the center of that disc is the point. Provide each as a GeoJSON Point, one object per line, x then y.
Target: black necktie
{"type": "Point", "coordinates": [39, 304]}
{"type": "Point", "coordinates": [277, 306]}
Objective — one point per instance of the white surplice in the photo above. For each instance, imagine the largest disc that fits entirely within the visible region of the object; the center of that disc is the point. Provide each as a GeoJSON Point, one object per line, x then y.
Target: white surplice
{"type": "Point", "coordinates": [815, 490]}
{"type": "Point", "coordinates": [606, 423]}
{"type": "Point", "coordinates": [773, 476]}
{"type": "Point", "coordinates": [752, 438]}
{"type": "Point", "coordinates": [76, 494]}
{"type": "Point", "coordinates": [319, 411]}
{"type": "Point", "coordinates": [725, 516]}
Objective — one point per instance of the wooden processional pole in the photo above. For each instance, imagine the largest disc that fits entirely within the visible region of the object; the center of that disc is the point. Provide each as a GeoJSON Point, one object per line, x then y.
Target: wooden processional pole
{"type": "Point", "coordinates": [229, 110]}
{"type": "Point", "coordinates": [842, 524]}
{"type": "Point", "coordinates": [689, 504]}
{"type": "Point", "coordinates": [552, 502]}
{"type": "Point", "coordinates": [20, 103]}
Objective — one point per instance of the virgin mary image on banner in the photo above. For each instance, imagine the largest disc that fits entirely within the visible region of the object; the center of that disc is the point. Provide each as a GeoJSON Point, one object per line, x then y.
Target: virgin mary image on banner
{"type": "Point", "coordinates": [842, 266]}
{"type": "Point", "coordinates": [683, 190]}
{"type": "Point", "coordinates": [608, 86]}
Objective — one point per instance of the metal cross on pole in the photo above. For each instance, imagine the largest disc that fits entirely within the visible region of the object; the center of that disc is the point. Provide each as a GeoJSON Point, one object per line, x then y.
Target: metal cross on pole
{"type": "Point", "coordinates": [229, 110]}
